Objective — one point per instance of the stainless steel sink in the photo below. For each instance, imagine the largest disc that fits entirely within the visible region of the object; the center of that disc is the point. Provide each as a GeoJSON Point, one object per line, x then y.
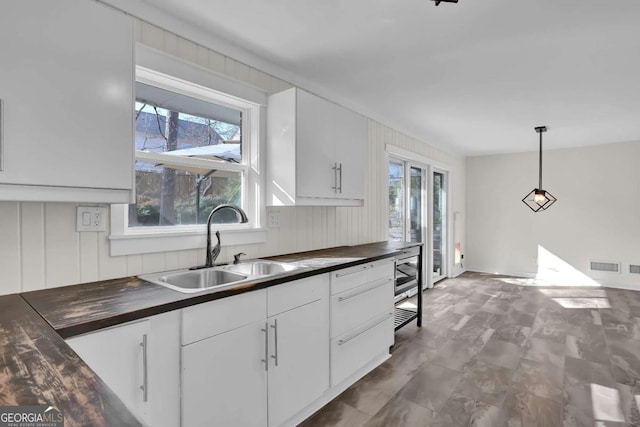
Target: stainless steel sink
{"type": "Point", "coordinates": [221, 277]}
{"type": "Point", "coordinates": [260, 268]}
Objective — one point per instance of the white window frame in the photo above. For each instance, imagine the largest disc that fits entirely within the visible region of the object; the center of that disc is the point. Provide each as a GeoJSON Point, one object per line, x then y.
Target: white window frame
{"type": "Point", "coordinates": [167, 72]}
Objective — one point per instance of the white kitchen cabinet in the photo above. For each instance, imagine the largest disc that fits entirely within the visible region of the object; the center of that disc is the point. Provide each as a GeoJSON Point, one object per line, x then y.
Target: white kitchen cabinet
{"type": "Point", "coordinates": [362, 328]}
{"type": "Point", "coordinates": [299, 346]}
{"type": "Point", "coordinates": [224, 379]}
{"type": "Point", "coordinates": [140, 362]}
{"type": "Point", "coordinates": [66, 84]}
{"type": "Point", "coordinates": [258, 358]}
{"type": "Point", "coordinates": [316, 151]}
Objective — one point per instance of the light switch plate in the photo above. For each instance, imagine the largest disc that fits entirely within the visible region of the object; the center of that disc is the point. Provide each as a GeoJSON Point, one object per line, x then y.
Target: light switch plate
{"type": "Point", "coordinates": [274, 219]}
{"type": "Point", "coordinates": [91, 218]}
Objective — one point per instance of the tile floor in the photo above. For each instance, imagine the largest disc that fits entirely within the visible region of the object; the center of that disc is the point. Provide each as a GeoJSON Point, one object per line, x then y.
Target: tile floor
{"type": "Point", "coordinates": [502, 351]}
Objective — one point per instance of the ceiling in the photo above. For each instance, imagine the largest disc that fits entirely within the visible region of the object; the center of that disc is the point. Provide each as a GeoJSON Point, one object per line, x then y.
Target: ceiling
{"type": "Point", "coordinates": [474, 77]}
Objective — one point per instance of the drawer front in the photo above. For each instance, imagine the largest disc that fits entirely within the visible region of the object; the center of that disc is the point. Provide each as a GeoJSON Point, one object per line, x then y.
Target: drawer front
{"type": "Point", "coordinates": [356, 348]}
{"type": "Point", "coordinates": [212, 318]}
{"type": "Point", "coordinates": [349, 278]}
{"type": "Point", "coordinates": [288, 296]}
{"type": "Point", "coordinates": [357, 306]}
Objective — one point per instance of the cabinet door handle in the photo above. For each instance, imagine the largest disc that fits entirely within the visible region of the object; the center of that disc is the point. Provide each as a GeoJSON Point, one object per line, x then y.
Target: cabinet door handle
{"type": "Point", "coordinates": [371, 326]}
{"type": "Point", "coordinates": [275, 336]}
{"type": "Point", "coordinates": [266, 346]}
{"type": "Point", "coordinates": [335, 177]}
{"type": "Point", "coordinates": [144, 386]}
{"type": "Point", "coordinates": [364, 291]}
{"type": "Point", "coordinates": [340, 187]}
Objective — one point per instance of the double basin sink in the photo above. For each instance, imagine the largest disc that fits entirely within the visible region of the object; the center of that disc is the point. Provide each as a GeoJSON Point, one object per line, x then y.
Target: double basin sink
{"type": "Point", "coordinates": [219, 277]}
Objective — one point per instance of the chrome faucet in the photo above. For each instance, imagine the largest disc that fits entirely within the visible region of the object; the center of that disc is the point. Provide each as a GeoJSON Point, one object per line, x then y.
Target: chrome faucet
{"type": "Point", "coordinates": [213, 252]}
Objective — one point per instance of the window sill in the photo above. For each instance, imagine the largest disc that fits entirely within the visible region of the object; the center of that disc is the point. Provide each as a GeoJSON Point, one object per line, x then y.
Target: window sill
{"type": "Point", "coordinates": [163, 241]}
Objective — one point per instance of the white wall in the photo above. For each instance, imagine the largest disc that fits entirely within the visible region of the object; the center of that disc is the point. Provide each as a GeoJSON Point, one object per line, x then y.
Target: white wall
{"type": "Point", "coordinates": [39, 247]}
{"type": "Point", "coordinates": [596, 217]}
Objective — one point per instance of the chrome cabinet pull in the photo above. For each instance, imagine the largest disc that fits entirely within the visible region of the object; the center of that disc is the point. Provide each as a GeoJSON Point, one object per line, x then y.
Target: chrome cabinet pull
{"type": "Point", "coordinates": [275, 335]}
{"type": "Point", "coordinates": [266, 346]}
{"type": "Point", "coordinates": [364, 291]}
{"type": "Point", "coordinates": [335, 177]}
{"type": "Point", "coordinates": [364, 267]}
{"type": "Point", "coordinates": [346, 340]}
{"type": "Point", "coordinates": [144, 386]}
{"type": "Point", "coordinates": [340, 187]}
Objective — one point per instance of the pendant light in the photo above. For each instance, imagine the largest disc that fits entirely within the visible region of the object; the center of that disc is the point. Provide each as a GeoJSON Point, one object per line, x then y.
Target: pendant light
{"type": "Point", "coordinates": [539, 199]}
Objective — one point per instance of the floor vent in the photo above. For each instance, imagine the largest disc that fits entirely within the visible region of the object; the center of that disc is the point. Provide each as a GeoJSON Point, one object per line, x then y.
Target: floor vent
{"type": "Point", "coordinates": [611, 267]}
{"type": "Point", "coordinates": [634, 269]}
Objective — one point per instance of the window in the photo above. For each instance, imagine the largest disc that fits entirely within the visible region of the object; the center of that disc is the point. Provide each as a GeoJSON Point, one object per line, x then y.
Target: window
{"type": "Point", "coordinates": [195, 148]}
{"type": "Point", "coordinates": [189, 159]}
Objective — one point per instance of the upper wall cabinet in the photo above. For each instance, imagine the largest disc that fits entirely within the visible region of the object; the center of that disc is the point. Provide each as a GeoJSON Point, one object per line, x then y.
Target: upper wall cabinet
{"type": "Point", "coordinates": [316, 152]}
{"type": "Point", "coordinates": [66, 84]}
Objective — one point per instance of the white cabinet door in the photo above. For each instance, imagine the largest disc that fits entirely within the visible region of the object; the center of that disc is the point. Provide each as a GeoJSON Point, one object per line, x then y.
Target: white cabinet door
{"type": "Point", "coordinates": [300, 345]}
{"type": "Point", "coordinates": [351, 152]}
{"type": "Point", "coordinates": [66, 82]}
{"type": "Point", "coordinates": [315, 156]}
{"type": "Point", "coordinates": [117, 356]}
{"type": "Point", "coordinates": [224, 381]}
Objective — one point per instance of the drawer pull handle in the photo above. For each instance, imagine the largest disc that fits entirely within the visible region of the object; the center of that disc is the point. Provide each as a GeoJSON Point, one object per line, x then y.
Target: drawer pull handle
{"type": "Point", "coordinates": [364, 291]}
{"type": "Point", "coordinates": [376, 323]}
{"type": "Point", "coordinates": [275, 336]}
{"type": "Point", "coordinates": [364, 267]}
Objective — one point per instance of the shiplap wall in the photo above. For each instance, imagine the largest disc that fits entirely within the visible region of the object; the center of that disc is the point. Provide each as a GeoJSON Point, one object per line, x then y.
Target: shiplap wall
{"type": "Point", "coordinates": [40, 248]}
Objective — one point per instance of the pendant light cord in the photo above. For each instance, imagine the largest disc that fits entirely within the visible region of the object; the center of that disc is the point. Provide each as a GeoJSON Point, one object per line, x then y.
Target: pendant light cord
{"type": "Point", "coordinates": [540, 165]}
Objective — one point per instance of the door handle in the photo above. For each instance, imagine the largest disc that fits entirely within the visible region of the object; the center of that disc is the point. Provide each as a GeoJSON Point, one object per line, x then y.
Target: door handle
{"type": "Point", "coordinates": [266, 346]}
{"type": "Point", "coordinates": [144, 387]}
{"type": "Point", "coordinates": [275, 336]}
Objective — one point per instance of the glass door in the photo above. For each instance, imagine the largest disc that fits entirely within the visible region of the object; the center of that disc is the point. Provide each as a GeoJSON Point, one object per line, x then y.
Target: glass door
{"type": "Point", "coordinates": [396, 201]}
{"type": "Point", "coordinates": [416, 219]}
{"type": "Point", "coordinates": [439, 226]}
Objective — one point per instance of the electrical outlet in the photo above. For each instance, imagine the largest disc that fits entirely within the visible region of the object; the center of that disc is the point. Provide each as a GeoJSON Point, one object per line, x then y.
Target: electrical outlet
{"type": "Point", "coordinates": [274, 219]}
{"type": "Point", "coordinates": [91, 218]}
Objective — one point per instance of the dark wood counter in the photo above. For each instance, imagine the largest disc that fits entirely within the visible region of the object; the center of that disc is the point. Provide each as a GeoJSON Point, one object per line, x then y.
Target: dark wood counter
{"type": "Point", "coordinates": [38, 367]}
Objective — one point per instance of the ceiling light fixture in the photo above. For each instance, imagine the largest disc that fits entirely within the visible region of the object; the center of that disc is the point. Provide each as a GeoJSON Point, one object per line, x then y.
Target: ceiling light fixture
{"type": "Point", "coordinates": [446, 1]}
{"type": "Point", "coordinates": [539, 199]}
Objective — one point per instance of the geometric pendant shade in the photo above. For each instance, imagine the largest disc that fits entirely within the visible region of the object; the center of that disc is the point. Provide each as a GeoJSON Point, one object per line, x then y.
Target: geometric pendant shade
{"type": "Point", "coordinates": [538, 199]}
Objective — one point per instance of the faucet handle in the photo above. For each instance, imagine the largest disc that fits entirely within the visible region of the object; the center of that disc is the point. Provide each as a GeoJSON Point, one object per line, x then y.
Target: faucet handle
{"type": "Point", "coordinates": [236, 257]}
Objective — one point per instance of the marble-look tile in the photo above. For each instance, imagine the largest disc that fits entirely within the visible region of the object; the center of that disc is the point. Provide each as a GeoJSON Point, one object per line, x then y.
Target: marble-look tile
{"type": "Point", "coordinates": [607, 405]}
{"type": "Point", "coordinates": [401, 412]}
{"type": "Point", "coordinates": [461, 323]}
{"type": "Point", "coordinates": [520, 318]}
{"type": "Point", "coordinates": [409, 358]}
{"type": "Point", "coordinates": [431, 386]}
{"type": "Point", "coordinates": [544, 351]}
{"type": "Point", "coordinates": [526, 409]}
{"type": "Point", "coordinates": [485, 382]}
{"type": "Point", "coordinates": [486, 415]}
{"type": "Point", "coordinates": [580, 317]}
{"type": "Point", "coordinates": [433, 337]}
{"type": "Point", "coordinates": [487, 319]}
{"type": "Point", "coordinates": [625, 359]}
{"type": "Point", "coordinates": [541, 379]}
{"type": "Point", "coordinates": [514, 334]}
{"type": "Point", "coordinates": [455, 355]}
{"type": "Point", "coordinates": [448, 320]}
{"type": "Point", "coordinates": [375, 389]}
{"type": "Point", "coordinates": [577, 408]}
{"type": "Point", "coordinates": [478, 298]}
{"type": "Point", "coordinates": [526, 304]}
{"type": "Point", "coordinates": [618, 324]}
{"type": "Point", "coordinates": [591, 347]}
{"type": "Point", "coordinates": [579, 371]}
{"type": "Point", "coordinates": [337, 414]}
{"type": "Point", "coordinates": [456, 412]}
{"type": "Point", "coordinates": [630, 402]}
{"type": "Point", "coordinates": [550, 325]}
{"type": "Point", "coordinates": [497, 306]}
{"type": "Point", "coordinates": [466, 307]}
{"type": "Point", "coordinates": [501, 353]}
{"type": "Point", "coordinates": [474, 335]}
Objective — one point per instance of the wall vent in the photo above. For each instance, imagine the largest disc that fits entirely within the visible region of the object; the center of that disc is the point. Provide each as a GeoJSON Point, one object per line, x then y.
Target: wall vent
{"type": "Point", "coordinates": [634, 269]}
{"type": "Point", "coordinates": [612, 267]}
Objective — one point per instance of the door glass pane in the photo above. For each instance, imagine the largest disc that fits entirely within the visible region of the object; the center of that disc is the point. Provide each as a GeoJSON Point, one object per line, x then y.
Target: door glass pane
{"type": "Point", "coordinates": [396, 201]}
{"type": "Point", "coordinates": [439, 216]}
{"type": "Point", "coordinates": [415, 206]}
